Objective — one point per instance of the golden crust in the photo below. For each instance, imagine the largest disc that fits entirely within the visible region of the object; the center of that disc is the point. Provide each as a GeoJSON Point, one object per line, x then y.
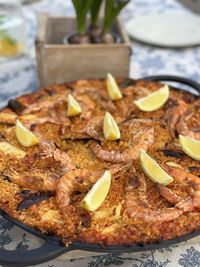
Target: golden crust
{"type": "Point", "coordinates": [44, 113]}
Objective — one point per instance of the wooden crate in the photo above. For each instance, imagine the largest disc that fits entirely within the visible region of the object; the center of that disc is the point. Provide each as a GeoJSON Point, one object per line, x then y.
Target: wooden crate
{"type": "Point", "coordinates": [59, 63]}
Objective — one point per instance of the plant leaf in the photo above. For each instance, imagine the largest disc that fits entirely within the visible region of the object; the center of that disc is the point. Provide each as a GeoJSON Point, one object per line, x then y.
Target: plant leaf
{"type": "Point", "coordinates": [112, 9]}
{"type": "Point", "coordinates": [95, 8]}
{"type": "Point", "coordinates": [81, 7]}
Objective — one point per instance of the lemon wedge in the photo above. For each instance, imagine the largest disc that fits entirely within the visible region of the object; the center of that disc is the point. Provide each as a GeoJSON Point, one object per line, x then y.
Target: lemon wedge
{"type": "Point", "coordinates": [73, 107]}
{"type": "Point", "coordinates": [190, 146]}
{"type": "Point", "coordinates": [24, 136]}
{"type": "Point", "coordinates": [154, 100]}
{"type": "Point", "coordinates": [153, 170]}
{"type": "Point", "coordinates": [112, 87]}
{"type": "Point", "coordinates": [110, 128]}
{"type": "Point", "coordinates": [97, 194]}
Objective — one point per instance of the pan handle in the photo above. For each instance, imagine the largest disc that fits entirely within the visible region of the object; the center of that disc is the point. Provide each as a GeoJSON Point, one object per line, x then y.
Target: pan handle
{"type": "Point", "coordinates": [172, 78]}
{"type": "Point", "coordinates": [35, 256]}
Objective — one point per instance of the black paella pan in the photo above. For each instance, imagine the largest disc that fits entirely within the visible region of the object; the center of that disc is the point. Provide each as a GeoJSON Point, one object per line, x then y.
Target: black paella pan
{"type": "Point", "coordinates": [52, 247]}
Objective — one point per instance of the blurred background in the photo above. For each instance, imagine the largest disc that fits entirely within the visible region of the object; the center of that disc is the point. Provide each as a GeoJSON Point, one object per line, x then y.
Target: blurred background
{"type": "Point", "coordinates": [18, 73]}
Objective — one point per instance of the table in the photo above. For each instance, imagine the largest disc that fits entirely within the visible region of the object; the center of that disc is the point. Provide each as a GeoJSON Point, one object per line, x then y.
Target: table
{"type": "Point", "coordinates": [20, 76]}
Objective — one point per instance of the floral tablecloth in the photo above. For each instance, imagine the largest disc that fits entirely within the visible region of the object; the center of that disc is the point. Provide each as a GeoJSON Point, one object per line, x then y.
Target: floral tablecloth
{"type": "Point", "coordinates": [20, 76]}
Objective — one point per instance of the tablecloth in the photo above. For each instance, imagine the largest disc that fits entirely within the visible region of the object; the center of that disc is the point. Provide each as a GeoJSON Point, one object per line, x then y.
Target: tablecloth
{"type": "Point", "coordinates": [20, 76]}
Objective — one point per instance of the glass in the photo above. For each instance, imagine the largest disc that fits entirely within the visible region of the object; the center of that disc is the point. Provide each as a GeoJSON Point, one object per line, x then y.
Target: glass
{"type": "Point", "coordinates": [12, 29]}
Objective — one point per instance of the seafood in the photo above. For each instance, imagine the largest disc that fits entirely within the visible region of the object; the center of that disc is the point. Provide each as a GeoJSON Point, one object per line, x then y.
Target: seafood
{"type": "Point", "coordinates": [45, 105]}
{"type": "Point", "coordinates": [43, 185]}
{"type": "Point", "coordinates": [177, 108]}
{"type": "Point", "coordinates": [184, 184]}
{"type": "Point", "coordinates": [32, 120]}
{"type": "Point", "coordinates": [136, 140]}
{"type": "Point", "coordinates": [94, 127]}
{"type": "Point", "coordinates": [30, 198]}
{"type": "Point", "coordinates": [184, 194]}
{"type": "Point", "coordinates": [99, 97]}
{"type": "Point", "coordinates": [47, 165]}
{"type": "Point", "coordinates": [139, 211]}
{"type": "Point", "coordinates": [78, 179]}
{"type": "Point", "coordinates": [189, 123]}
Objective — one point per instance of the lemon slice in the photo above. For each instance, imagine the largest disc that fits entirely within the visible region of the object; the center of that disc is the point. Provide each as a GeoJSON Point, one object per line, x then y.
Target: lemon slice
{"type": "Point", "coordinates": [110, 128]}
{"type": "Point", "coordinates": [73, 107]}
{"type": "Point", "coordinates": [154, 100]}
{"type": "Point", "coordinates": [97, 194]}
{"type": "Point", "coordinates": [190, 146]}
{"type": "Point", "coordinates": [24, 136]}
{"type": "Point", "coordinates": [153, 170]}
{"type": "Point", "coordinates": [112, 87]}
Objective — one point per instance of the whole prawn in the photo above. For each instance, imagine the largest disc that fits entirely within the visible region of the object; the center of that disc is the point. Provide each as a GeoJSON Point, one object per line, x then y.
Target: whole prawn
{"type": "Point", "coordinates": [141, 140]}
{"type": "Point", "coordinates": [70, 182]}
{"type": "Point", "coordinates": [189, 123]}
{"type": "Point", "coordinates": [186, 201]}
{"type": "Point", "coordinates": [174, 113]}
{"type": "Point", "coordinates": [39, 170]}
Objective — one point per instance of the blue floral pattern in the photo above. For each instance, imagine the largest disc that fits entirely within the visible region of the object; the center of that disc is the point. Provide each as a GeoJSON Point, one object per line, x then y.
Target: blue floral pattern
{"type": "Point", "coordinates": [20, 76]}
{"type": "Point", "coordinates": [145, 260]}
{"type": "Point", "coordinates": [190, 259]}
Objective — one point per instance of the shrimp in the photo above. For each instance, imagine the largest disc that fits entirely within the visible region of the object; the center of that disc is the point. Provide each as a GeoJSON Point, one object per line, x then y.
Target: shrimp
{"type": "Point", "coordinates": [184, 184]}
{"type": "Point", "coordinates": [136, 181]}
{"type": "Point", "coordinates": [185, 197]}
{"type": "Point", "coordinates": [78, 179]}
{"type": "Point", "coordinates": [174, 113]}
{"type": "Point", "coordinates": [138, 210]}
{"type": "Point", "coordinates": [88, 106]}
{"type": "Point", "coordinates": [94, 127]}
{"type": "Point", "coordinates": [43, 106]}
{"type": "Point", "coordinates": [86, 131]}
{"type": "Point", "coordinates": [33, 121]}
{"type": "Point", "coordinates": [189, 123]}
{"type": "Point", "coordinates": [55, 111]}
{"type": "Point", "coordinates": [69, 183]}
{"type": "Point", "coordinates": [36, 179]}
{"type": "Point", "coordinates": [99, 96]}
{"type": "Point", "coordinates": [47, 111]}
{"type": "Point", "coordinates": [40, 170]}
{"type": "Point", "coordinates": [140, 140]}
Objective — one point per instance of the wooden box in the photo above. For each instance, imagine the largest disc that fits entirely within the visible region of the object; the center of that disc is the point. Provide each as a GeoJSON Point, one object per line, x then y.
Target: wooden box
{"type": "Point", "coordinates": [58, 62]}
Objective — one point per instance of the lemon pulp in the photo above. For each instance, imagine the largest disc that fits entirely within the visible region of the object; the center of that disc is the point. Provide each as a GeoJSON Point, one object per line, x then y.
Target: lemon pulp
{"type": "Point", "coordinates": [153, 170]}
{"type": "Point", "coordinates": [110, 128]}
{"type": "Point", "coordinates": [97, 194]}
{"type": "Point", "coordinates": [190, 146]}
{"type": "Point", "coordinates": [154, 100]}
{"type": "Point", "coordinates": [112, 88]}
{"type": "Point", "coordinates": [73, 108]}
{"type": "Point", "coordinates": [24, 136]}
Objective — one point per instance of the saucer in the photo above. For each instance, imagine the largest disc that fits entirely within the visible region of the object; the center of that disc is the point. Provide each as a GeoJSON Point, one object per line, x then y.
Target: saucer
{"type": "Point", "coordinates": [168, 29]}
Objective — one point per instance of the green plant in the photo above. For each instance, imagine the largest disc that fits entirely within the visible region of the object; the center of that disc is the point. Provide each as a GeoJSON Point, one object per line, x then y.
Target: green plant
{"type": "Point", "coordinates": [82, 7]}
{"type": "Point", "coordinates": [95, 8]}
{"type": "Point", "coordinates": [112, 9]}
{"type": "Point", "coordinates": [96, 33]}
